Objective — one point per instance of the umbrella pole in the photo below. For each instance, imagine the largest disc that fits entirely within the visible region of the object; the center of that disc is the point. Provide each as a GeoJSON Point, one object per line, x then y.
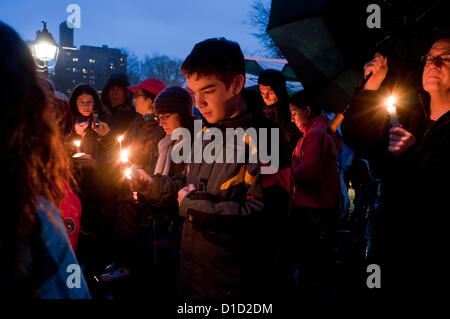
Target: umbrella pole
{"type": "Point", "coordinates": [339, 117]}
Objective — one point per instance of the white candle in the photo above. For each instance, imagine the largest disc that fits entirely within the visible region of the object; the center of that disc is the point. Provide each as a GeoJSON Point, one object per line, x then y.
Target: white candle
{"type": "Point", "coordinates": [78, 153]}
{"type": "Point", "coordinates": [392, 110]}
{"type": "Point", "coordinates": [77, 144]}
{"type": "Point", "coordinates": [128, 173]}
{"type": "Point", "coordinates": [124, 155]}
{"type": "Point", "coordinates": [120, 139]}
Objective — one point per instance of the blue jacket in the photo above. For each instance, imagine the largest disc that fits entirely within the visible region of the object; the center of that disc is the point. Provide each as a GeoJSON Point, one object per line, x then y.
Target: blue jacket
{"type": "Point", "coordinates": [58, 274]}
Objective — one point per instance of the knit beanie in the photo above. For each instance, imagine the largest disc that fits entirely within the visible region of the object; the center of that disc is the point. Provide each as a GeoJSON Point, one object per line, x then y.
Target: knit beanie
{"type": "Point", "coordinates": [173, 99]}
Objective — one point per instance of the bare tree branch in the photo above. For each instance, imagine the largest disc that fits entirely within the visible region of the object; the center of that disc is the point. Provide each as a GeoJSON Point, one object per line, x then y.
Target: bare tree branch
{"type": "Point", "coordinates": [259, 19]}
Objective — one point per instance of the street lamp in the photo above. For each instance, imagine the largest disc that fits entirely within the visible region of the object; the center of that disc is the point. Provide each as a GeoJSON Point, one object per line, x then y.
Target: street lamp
{"type": "Point", "coordinates": [45, 49]}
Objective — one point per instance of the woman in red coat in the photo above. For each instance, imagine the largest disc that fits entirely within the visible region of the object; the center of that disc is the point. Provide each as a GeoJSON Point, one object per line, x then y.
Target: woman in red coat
{"type": "Point", "coordinates": [315, 174]}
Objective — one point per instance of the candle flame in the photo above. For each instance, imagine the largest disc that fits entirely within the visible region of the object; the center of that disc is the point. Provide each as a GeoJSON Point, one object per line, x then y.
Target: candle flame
{"type": "Point", "coordinates": [391, 101]}
{"type": "Point", "coordinates": [77, 143]}
{"type": "Point", "coordinates": [124, 155]}
{"type": "Point", "coordinates": [120, 138]}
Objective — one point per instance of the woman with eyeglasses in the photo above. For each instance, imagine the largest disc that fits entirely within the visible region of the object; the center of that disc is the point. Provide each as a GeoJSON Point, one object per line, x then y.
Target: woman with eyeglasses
{"type": "Point", "coordinates": [144, 133]}
{"type": "Point", "coordinates": [156, 263]}
{"type": "Point", "coordinates": [174, 107]}
{"type": "Point", "coordinates": [141, 140]}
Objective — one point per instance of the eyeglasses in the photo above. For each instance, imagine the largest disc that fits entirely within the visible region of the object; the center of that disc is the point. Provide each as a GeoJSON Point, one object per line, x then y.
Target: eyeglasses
{"type": "Point", "coordinates": [438, 59]}
{"type": "Point", "coordinates": [165, 117]}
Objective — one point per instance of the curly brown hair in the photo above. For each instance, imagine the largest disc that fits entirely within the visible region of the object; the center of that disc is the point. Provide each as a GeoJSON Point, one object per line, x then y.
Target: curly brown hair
{"type": "Point", "coordinates": [33, 161]}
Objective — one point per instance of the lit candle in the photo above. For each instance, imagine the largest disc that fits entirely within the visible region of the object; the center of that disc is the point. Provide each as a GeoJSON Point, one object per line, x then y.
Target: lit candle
{"type": "Point", "coordinates": [124, 155]}
{"type": "Point", "coordinates": [120, 139]}
{"type": "Point", "coordinates": [77, 144]}
{"type": "Point", "coordinates": [78, 153]}
{"type": "Point", "coordinates": [128, 173]}
{"type": "Point", "coordinates": [392, 110]}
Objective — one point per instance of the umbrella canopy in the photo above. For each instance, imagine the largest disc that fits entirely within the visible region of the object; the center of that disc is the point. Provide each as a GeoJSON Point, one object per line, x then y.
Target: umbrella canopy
{"type": "Point", "coordinates": [328, 42]}
{"type": "Point", "coordinates": [255, 65]}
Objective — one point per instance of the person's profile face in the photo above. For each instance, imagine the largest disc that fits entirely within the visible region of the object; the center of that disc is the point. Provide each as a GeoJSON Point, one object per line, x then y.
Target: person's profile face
{"type": "Point", "coordinates": [299, 116]}
{"type": "Point", "coordinates": [436, 72]}
{"type": "Point", "coordinates": [142, 104]}
{"type": "Point", "coordinates": [268, 94]}
{"type": "Point", "coordinates": [169, 122]}
{"type": "Point", "coordinates": [212, 98]}
{"type": "Point", "coordinates": [85, 104]}
{"type": "Point", "coordinates": [116, 95]}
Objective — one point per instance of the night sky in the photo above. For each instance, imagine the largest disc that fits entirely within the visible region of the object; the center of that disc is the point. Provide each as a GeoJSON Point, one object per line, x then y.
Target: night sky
{"type": "Point", "coordinates": [170, 27]}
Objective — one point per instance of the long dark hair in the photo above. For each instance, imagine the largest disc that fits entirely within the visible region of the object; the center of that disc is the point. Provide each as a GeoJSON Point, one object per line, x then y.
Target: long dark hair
{"type": "Point", "coordinates": [98, 107]}
{"type": "Point", "coordinates": [33, 162]}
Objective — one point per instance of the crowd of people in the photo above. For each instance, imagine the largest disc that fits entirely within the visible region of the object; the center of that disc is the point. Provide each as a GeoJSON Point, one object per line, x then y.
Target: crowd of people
{"type": "Point", "coordinates": [92, 181]}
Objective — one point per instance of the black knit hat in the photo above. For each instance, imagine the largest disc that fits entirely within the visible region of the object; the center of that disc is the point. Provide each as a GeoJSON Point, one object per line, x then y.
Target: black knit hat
{"type": "Point", "coordinates": [173, 99]}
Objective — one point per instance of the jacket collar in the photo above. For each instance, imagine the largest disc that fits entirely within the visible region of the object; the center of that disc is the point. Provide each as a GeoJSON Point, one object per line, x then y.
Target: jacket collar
{"type": "Point", "coordinates": [150, 117]}
{"type": "Point", "coordinates": [319, 120]}
{"type": "Point", "coordinates": [242, 120]}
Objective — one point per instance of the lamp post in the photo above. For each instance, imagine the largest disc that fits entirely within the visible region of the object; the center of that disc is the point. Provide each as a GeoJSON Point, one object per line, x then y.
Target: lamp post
{"type": "Point", "coordinates": [45, 49]}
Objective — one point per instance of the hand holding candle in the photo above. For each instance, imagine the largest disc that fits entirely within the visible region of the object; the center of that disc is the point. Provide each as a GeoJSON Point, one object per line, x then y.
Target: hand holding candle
{"type": "Point", "coordinates": [392, 110]}
{"type": "Point", "coordinates": [129, 171]}
{"type": "Point", "coordinates": [140, 181]}
{"type": "Point", "coordinates": [400, 140]}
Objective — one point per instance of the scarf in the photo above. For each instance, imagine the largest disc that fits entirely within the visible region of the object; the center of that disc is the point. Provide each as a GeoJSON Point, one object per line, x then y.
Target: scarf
{"type": "Point", "coordinates": [164, 160]}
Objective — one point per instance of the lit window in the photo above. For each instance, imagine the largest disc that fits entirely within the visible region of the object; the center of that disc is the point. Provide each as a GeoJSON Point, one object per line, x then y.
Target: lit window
{"type": "Point", "coordinates": [91, 61]}
{"type": "Point", "coordinates": [74, 70]}
{"type": "Point", "coordinates": [84, 71]}
{"type": "Point", "coordinates": [75, 59]}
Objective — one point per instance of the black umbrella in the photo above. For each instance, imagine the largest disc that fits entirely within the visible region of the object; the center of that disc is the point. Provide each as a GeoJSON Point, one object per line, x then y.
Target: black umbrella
{"type": "Point", "coordinates": [327, 42]}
